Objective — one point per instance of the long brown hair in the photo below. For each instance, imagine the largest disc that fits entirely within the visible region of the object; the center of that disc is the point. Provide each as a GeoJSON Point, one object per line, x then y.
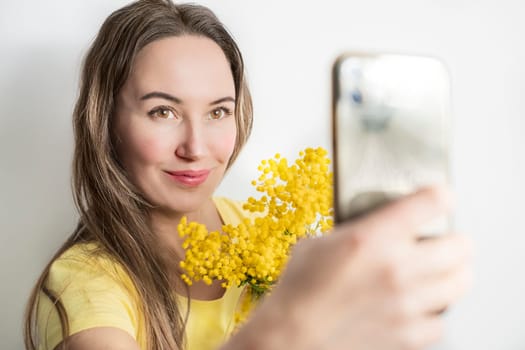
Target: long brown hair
{"type": "Point", "coordinates": [112, 211]}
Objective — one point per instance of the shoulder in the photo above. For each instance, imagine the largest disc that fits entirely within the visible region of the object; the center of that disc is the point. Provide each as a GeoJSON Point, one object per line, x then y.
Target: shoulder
{"type": "Point", "coordinates": [93, 290]}
{"type": "Point", "coordinates": [86, 263]}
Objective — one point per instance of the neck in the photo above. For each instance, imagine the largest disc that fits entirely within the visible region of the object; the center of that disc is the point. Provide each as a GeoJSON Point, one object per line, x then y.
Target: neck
{"type": "Point", "coordinates": [164, 223]}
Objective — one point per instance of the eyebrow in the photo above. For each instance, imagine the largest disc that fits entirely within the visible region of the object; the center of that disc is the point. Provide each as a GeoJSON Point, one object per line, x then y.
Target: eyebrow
{"type": "Point", "coordinates": [166, 96]}
{"type": "Point", "coordinates": [158, 94]}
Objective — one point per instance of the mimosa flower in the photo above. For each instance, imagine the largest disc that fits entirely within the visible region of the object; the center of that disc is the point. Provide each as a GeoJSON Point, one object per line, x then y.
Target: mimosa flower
{"type": "Point", "coordinates": [296, 203]}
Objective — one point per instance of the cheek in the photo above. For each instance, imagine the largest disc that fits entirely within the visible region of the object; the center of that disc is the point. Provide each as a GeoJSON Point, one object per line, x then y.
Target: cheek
{"type": "Point", "coordinates": [151, 150]}
{"type": "Point", "coordinates": [225, 144]}
{"type": "Point", "coordinates": [138, 150]}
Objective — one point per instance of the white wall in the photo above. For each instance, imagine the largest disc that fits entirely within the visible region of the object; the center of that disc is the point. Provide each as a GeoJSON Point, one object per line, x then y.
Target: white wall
{"type": "Point", "coordinates": [288, 47]}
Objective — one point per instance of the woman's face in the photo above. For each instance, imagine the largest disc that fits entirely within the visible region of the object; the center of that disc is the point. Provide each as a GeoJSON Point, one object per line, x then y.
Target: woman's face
{"type": "Point", "coordinates": [175, 121]}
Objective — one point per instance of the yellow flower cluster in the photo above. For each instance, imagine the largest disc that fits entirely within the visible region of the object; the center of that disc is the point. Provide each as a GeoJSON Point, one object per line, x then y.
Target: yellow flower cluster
{"type": "Point", "coordinates": [296, 203]}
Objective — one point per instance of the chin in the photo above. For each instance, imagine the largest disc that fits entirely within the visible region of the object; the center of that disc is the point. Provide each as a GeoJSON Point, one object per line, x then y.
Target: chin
{"type": "Point", "coordinates": [183, 203]}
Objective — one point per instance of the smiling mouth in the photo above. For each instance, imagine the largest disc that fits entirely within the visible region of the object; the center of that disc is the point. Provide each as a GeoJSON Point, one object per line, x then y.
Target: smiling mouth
{"type": "Point", "coordinates": [189, 178]}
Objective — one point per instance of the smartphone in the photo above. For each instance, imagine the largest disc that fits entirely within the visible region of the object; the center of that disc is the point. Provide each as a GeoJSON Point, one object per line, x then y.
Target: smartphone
{"type": "Point", "coordinates": [391, 130]}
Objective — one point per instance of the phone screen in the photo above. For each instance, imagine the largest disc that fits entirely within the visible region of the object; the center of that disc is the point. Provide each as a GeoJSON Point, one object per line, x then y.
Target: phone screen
{"type": "Point", "coordinates": [391, 130]}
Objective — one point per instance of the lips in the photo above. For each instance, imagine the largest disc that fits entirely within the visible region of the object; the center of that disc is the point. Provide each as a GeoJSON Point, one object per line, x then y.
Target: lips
{"type": "Point", "coordinates": [189, 177]}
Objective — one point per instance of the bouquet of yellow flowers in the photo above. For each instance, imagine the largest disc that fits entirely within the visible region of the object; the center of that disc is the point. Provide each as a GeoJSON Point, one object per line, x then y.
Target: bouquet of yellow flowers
{"type": "Point", "coordinates": [296, 203]}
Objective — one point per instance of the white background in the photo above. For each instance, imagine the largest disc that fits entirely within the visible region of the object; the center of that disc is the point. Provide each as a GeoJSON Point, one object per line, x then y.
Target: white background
{"type": "Point", "coordinates": [288, 47]}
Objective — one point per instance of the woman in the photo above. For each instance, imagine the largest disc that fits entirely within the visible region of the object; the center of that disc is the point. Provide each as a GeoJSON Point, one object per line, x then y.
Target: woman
{"type": "Point", "coordinates": [163, 111]}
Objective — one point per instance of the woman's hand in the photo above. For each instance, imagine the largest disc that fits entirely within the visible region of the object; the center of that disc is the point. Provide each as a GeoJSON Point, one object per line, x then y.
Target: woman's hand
{"type": "Point", "coordinates": [369, 285]}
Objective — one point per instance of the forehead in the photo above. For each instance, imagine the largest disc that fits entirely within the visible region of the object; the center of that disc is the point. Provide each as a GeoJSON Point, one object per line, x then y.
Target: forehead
{"type": "Point", "coordinates": [184, 65]}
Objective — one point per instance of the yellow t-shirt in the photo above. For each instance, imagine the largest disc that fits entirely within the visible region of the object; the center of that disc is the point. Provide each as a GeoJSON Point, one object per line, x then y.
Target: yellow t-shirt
{"type": "Point", "coordinates": [96, 292]}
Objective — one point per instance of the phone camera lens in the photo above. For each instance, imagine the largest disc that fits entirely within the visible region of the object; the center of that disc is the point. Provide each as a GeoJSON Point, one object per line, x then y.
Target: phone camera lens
{"type": "Point", "coordinates": [357, 97]}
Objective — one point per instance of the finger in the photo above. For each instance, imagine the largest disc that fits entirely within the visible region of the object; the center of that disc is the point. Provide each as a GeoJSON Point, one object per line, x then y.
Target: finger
{"type": "Point", "coordinates": [438, 256]}
{"type": "Point", "coordinates": [420, 333]}
{"type": "Point", "coordinates": [404, 216]}
{"type": "Point", "coordinates": [444, 291]}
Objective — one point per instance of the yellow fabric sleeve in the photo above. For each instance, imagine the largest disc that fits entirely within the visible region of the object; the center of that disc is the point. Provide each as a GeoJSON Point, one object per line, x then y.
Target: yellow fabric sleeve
{"type": "Point", "coordinates": [94, 292]}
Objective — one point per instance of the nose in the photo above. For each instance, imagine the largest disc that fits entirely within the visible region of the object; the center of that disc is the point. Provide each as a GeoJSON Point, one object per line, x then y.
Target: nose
{"type": "Point", "coordinates": [192, 143]}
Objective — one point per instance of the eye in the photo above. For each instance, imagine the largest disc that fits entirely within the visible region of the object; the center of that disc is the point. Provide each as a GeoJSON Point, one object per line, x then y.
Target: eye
{"type": "Point", "coordinates": [219, 113]}
{"type": "Point", "coordinates": [162, 112]}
